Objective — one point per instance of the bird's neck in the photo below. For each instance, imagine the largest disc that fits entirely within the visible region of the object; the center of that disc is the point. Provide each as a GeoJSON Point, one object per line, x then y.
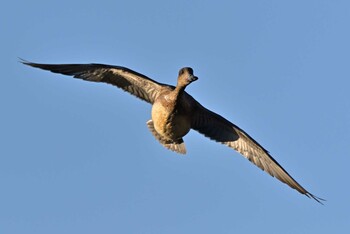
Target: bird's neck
{"type": "Point", "coordinates": [179, 90]}
{"type": "Point", "coordinates": [175, 95]}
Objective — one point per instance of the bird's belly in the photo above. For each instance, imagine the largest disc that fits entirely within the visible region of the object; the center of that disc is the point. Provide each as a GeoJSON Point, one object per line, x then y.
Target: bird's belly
{"type": "Point", "coordinates": [169, 123]}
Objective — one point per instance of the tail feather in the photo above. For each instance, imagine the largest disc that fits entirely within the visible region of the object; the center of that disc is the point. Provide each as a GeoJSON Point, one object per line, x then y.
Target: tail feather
{"type": "Point", "coordinates": [176, 146]}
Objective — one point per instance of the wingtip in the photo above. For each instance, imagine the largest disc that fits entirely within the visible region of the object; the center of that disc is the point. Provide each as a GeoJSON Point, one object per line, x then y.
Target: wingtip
{"type": "Point", "coordinates": [23, 61]}
{"type": "Point", "coordinates": [318, 199]}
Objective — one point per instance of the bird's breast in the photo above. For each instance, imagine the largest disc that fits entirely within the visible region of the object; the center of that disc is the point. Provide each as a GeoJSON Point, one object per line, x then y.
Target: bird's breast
{"type": "Point", "coordinates": [170, 120]}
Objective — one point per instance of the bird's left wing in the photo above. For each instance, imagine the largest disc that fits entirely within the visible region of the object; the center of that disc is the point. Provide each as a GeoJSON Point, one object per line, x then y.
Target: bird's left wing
{"type": "Point", "coordinates": [221, 130]}
{"type": "Point", "coordinates": [133, 82]}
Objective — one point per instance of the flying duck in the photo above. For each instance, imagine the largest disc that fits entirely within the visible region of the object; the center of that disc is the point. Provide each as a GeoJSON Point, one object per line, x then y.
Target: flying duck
{"type": "Point", "coordinates": [175, 113]}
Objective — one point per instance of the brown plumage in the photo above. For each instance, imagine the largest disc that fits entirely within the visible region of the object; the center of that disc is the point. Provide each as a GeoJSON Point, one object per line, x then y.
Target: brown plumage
{"type": "Point", "coordinates": [175, 112]}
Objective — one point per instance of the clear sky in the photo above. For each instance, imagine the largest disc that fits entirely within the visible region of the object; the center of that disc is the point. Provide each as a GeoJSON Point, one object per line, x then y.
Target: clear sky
{"type": "Point", "coordinates": [77, 157]}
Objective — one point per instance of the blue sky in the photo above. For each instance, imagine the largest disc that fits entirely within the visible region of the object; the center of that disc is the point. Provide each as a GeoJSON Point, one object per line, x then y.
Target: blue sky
{"type": "Point", "coordinates": [77, 157]}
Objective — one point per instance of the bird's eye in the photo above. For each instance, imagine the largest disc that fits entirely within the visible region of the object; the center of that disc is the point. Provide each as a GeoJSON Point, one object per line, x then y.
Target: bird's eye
{"type": "Point", "coordinates": [181, 72]}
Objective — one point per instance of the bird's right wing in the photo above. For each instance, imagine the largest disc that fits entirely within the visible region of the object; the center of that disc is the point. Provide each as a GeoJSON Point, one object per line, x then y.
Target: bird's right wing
{"type": "Point", "coordinates": [133, 82]}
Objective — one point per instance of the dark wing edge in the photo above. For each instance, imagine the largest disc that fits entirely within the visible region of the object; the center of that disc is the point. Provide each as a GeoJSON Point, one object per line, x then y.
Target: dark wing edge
{"type": "Point", "coordinates": [133, 82]}
{"type": "Point", "coordinates": [223, 131]}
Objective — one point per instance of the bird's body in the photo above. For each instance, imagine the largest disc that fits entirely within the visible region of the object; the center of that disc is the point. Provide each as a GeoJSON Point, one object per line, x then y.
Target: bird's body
{"type": "Point", "coordinates": [175, 113]}
{"type": "Point", "coordinates": [172, 123]}
{"type": "Point", "coordinates": [171, 114]}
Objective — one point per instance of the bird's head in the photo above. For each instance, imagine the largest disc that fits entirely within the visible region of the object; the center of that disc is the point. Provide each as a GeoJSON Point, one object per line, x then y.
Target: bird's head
{"type": "Point", "coordinates": [186, 76]}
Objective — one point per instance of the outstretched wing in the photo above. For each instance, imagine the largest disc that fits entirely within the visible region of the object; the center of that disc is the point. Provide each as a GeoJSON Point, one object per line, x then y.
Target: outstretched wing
{"type": "Point", "coordinates": [221, 130]}
{"type": "Point", "coordinates": [133, 82]}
